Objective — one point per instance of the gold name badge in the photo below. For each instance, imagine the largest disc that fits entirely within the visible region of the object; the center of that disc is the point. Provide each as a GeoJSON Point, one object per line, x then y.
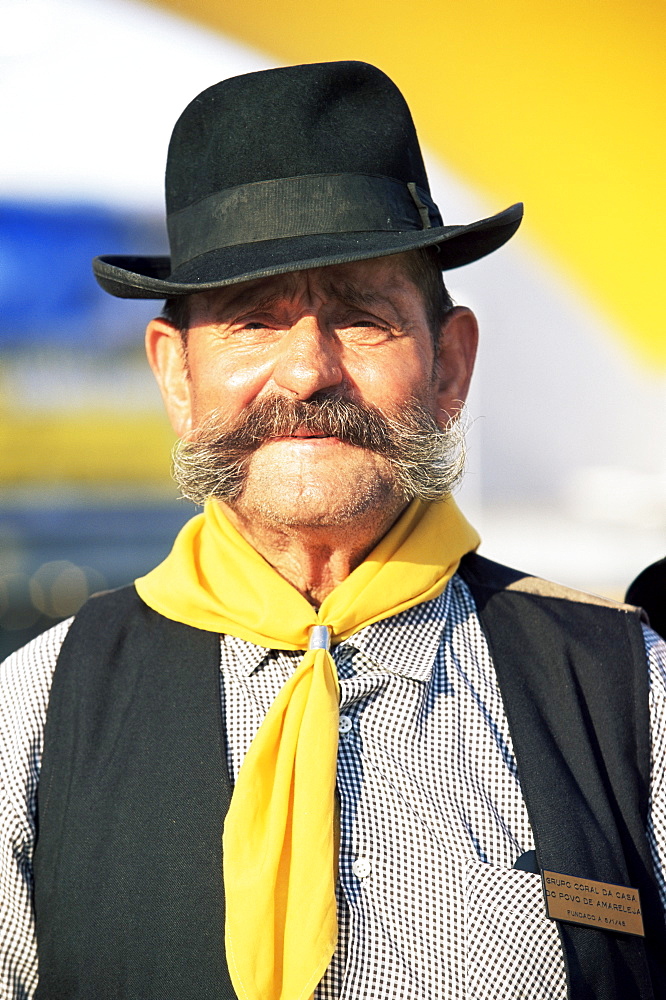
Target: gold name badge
{"type": "Point", "coordinates": [585, 901]}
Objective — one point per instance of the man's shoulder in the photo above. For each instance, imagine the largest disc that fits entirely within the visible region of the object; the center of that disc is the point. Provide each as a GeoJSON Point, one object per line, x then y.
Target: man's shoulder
{"type": "Point", "coordinates": [25, 682]}
{"type": "Point", "coordinates": [39, 654]}
{"type": "Point", "coordinates": [485, 575]}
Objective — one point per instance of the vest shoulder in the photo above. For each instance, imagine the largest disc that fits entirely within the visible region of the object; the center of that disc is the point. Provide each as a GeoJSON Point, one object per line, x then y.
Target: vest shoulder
{"type": "Point", "coordinates": [109, 605]}
{"type": "Point", "coordinates": [485, 574]}
{"type": "Point", "coordinates": [116, 621]}
{"type": "Point", "coordinates": [103, 619]}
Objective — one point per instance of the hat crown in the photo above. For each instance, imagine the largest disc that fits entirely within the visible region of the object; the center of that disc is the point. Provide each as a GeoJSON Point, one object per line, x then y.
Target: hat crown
{"type": "Point", "coordinates": [319, 118]}
{"type": "Point", "coordinates": [290, 169]}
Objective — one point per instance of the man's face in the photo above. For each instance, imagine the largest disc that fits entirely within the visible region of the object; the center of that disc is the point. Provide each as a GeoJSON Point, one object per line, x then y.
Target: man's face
{"type": "Point", "coordinates": [356, 331]}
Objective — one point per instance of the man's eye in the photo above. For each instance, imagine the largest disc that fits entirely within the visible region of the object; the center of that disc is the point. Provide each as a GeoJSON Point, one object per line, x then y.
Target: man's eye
{"type": "Point", "coordinates": [365, 323]}
{"type": "Point", "coordinates": [374, 327]}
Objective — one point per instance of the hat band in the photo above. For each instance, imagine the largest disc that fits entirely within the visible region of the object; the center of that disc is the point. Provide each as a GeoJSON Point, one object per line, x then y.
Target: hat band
{"type": "Point", "coordinates": [312, 204]}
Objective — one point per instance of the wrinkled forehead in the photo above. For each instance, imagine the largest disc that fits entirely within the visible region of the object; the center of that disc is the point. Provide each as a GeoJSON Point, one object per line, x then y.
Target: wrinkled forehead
{"type": "Point", "coordinates": [383, 281]}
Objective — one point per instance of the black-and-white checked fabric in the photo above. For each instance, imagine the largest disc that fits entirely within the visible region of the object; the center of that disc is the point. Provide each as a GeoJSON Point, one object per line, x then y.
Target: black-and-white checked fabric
{"type": "Point", "coordinates": [431, 814]}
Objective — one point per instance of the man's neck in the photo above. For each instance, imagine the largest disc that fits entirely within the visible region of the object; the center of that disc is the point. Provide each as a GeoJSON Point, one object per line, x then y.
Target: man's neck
{"type": "Point", "coordinates": [316, 559]}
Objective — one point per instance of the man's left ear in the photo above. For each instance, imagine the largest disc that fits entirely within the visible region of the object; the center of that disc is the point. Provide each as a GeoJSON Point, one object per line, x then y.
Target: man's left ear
{"type": "Point", "coordinates": [454, 363]}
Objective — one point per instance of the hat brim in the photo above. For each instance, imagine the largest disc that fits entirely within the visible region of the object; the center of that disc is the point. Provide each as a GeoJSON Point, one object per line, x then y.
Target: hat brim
{"type": "Point", "coordinates": [133, 277]}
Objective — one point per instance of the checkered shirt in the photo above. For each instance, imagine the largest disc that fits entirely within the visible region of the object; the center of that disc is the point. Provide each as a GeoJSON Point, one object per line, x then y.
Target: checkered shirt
{"type": "Point", "coordinates": [431, 813]}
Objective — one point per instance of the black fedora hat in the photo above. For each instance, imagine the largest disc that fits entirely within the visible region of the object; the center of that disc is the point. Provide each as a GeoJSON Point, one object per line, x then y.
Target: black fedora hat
{"type": "Point", "coordinates": [294, 168]}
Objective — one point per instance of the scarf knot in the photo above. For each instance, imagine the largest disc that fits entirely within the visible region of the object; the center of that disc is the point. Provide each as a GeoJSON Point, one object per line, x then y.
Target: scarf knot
{"type": "Point", "coordinates": [320, 637]}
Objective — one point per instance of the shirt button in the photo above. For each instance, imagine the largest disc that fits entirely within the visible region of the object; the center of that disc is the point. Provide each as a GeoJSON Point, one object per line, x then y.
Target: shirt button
{"type": "Point", "coordinates": [344, 725]}
{"type": "Point", "coordinates": [361, 868]}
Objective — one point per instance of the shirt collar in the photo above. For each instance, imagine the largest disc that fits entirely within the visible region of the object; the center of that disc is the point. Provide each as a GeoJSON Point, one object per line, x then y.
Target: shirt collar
{"type": "Point", "coordinates": [404, 644]}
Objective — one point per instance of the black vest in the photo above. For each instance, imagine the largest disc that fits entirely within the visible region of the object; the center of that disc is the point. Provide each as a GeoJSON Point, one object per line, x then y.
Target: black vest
{"type": "Point", "coordinates": [134, 789]}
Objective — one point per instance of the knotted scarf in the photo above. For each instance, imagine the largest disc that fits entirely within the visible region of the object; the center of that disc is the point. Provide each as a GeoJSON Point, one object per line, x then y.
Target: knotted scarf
{"type": "Point", "coordinates": [278, 842]}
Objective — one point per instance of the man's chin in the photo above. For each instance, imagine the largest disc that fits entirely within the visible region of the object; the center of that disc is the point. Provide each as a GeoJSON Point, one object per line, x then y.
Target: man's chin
{"type": "Point", "coordinates": [329, 501]}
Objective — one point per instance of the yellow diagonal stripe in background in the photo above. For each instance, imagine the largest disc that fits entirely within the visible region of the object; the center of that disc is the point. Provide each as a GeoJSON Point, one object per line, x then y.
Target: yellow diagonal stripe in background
{"type": "Point", "coordinates": [558, 104]}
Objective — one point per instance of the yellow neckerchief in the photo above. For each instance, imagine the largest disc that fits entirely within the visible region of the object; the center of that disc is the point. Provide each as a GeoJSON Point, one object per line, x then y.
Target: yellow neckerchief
{"type": "Point", "coordinates": [278, 843]}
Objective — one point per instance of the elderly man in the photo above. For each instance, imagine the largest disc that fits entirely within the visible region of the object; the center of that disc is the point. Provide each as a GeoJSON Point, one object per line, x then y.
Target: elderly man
{"type": "Point", "coordinates": [325, 749]}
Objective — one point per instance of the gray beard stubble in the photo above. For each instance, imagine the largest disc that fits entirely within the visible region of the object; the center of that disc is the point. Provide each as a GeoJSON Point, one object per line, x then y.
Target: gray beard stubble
{"type": "Point", "coordinates": [425, 461]}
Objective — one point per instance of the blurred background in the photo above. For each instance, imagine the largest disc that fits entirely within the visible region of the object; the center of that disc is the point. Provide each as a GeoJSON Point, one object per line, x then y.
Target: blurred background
{"type": "Point", "coordinates": [558, 105]}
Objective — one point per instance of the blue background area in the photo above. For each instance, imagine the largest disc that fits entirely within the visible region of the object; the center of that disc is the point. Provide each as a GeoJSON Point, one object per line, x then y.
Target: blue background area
{"type": "Point", "coordinates": [47, 290]}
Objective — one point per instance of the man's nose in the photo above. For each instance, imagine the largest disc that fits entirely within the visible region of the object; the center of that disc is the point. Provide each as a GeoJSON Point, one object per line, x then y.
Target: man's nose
{"type": "Point", "coordinates": [308, 360]}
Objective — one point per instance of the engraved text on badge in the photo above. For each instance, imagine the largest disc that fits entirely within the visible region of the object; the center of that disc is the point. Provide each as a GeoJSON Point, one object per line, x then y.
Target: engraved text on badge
{"type": "Point", "coordinates": [595, 904]}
